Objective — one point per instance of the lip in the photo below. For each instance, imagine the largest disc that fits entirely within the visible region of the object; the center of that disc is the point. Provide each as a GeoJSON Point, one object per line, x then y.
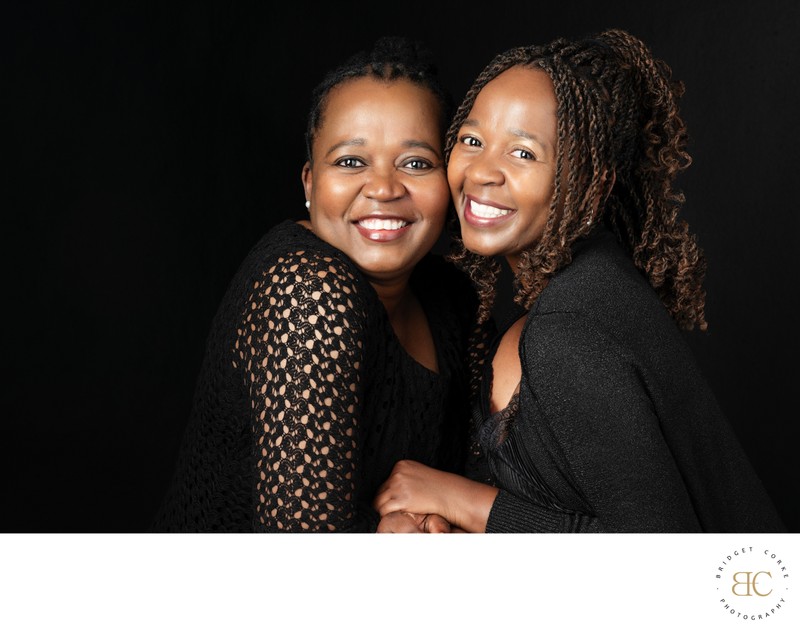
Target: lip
{"type": "Point", "coordinates": [382, 227]}
{"type": "Point", "coordinates": [482, 221]}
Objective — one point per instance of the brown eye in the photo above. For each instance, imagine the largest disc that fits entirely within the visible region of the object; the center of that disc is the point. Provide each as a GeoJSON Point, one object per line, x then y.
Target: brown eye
{"type": "Point", "coordinates": [416, 164]}
{"type": "Point", "coordinates": [348, 162]}
{"type": "Point", "coordinates": [525, 154]}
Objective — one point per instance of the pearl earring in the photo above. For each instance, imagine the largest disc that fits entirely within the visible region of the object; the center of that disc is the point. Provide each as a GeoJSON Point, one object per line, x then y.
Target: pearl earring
{"type": "Point", "coordinates": [308, 204]}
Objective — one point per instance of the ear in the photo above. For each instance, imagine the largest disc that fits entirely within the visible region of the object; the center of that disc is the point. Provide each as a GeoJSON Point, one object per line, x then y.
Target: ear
{"type": "Point", "coordinates": [307, 178]}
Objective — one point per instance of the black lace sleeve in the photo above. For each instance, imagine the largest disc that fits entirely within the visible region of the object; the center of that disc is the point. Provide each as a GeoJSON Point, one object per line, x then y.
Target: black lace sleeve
{"type": "Point", "coordinates": [301, 341]}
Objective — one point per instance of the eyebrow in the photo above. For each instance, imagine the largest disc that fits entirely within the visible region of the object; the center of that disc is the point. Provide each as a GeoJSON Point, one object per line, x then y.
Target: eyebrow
{"type": "Point", "coordinates": [524, 134]}
{"type": "Point", "coordinates": [360, 142]}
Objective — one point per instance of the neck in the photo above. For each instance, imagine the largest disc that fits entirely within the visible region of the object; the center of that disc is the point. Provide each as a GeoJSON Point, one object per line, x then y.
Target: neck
{"type": "Point", "coordinates": [394, 296]}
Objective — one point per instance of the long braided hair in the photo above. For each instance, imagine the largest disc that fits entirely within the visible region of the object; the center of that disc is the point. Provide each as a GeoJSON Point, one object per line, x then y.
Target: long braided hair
{"type": "Point", "coordinates": [621, 144]}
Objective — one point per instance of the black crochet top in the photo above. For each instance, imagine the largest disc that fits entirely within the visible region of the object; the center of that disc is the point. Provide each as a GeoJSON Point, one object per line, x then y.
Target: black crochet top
{"type": "Point", "coordinates": [306, 398]}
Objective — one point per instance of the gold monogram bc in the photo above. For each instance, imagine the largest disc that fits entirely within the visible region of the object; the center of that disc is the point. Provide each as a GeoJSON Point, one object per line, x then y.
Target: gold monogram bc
{"type": "Point", "coordinates": [746, 583]}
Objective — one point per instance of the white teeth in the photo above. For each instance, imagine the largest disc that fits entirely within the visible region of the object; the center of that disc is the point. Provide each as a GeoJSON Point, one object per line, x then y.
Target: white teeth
{"type": "Point", "coordinates": [373, 223]}
{"type": "Point", "coordinates": [487, 212]}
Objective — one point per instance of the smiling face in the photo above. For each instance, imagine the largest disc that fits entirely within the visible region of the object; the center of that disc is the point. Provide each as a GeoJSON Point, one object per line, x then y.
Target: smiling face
{"type": "Point", "coordinates": [502, 167]}
{"type": "Point", "coordinates": [377, 185]}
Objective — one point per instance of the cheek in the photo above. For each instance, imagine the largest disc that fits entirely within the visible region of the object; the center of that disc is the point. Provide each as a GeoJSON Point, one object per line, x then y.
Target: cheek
{"type": "Point", "coordinates": [333, 194]}
{"type": "Point", "coordinates": [334, 190]}
{"type": "Point", "coordinates": [534, 192]}
{"type": "Point", "coordinates": [432, 199]}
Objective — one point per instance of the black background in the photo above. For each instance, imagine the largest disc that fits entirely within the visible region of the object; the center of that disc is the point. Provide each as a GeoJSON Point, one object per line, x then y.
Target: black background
{"type": "Point", "coordinates": [149, 145]}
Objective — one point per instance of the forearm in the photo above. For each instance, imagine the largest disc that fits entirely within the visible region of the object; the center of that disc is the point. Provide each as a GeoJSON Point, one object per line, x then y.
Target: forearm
{"type": "Point", "coordinates": [471, 502]}
{"type": "Point", "coordinates": [415, 488]}
{"type": "Point", "coordinates": [511, 513]}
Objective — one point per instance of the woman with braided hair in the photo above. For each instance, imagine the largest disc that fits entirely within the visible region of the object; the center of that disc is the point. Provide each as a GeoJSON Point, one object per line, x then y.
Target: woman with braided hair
{"type": "Point", "coordinates": [592, 415]}
{"type": "Point", "coordinates": [340, 345]}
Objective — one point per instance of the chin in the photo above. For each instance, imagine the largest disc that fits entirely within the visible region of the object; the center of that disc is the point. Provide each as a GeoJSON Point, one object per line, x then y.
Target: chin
{"type": "Point", "coordinates": [384, 269]}
{"type": "Point", "coordinates": [481, 248]}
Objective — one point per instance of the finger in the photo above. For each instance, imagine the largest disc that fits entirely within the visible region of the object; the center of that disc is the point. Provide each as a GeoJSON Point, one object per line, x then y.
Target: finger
{"type": "Point", "coordinates": [387, 524]}
{"type": "Point", "coordinates": [399, 523]}
{"type": "Point", "coordinates": [436, 524]}
{"type": "Point", "coordinates": [382, 488]}
{"type": "Point", "coordinates": [385, 503]}
{"type": "Point", "coordinates": [381, 496]}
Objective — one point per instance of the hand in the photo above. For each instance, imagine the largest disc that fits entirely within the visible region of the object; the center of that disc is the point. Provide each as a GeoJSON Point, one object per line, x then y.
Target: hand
{"type": "Point", "coordinates": [435, 524]}
{"type": "Point", "coordinates": [415, 488]}
{"type": "Point", "coordinates": [401, 522]}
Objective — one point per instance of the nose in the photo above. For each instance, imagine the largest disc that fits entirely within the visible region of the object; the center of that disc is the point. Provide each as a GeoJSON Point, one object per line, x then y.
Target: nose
{"type": "Point", "coordinates": [483, 169]}
{"type": "Point", "coordinates": [384, 184]}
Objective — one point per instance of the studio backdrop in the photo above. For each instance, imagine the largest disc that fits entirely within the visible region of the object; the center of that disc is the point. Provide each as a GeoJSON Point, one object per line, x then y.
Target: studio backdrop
{"type": "Point", "coordinates": [151, 144]}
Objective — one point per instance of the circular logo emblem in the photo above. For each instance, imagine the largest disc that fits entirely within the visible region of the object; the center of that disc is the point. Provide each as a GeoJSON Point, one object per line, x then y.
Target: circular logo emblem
{"type": "Point", "coordinates": [752, 583]}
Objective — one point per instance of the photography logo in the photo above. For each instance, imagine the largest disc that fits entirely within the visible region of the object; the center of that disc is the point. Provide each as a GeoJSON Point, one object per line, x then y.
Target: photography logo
{"type": "Point", "coordinates": [752, 583]}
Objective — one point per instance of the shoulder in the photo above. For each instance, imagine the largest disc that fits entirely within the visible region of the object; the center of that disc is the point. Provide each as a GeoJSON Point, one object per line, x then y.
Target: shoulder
{"type": "Point", "coordinates": [289, 242]}
{"type": "Point", "coordinates": [582, 379]}
{"type": "Point", "coordinates": [572, 361]}
{"type": "Point", "coordinates": [604, 291]}
{"type": "Point", "coordinates": [601, 276]}
{"type": "Point", "coordinates": [292, 279]}
{"type": "Point", "coordinates": [567, 342]}
{"type": "Point", "coordinates": [290, 257]}
{"type": "Point", "coordinates": [568, 318]}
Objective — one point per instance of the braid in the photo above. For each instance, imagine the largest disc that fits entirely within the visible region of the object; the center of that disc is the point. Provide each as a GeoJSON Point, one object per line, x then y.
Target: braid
{"type": "Point", "coordinates": [391, 58]}
{"type": "Point", "coordinates": [621, 143]}
{"type": "Point", "coordinates": [656, 137]}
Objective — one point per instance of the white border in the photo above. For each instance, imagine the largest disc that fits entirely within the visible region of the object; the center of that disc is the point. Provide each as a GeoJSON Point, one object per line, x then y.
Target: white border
{"type": "Point", "coordinates": [147, 581]}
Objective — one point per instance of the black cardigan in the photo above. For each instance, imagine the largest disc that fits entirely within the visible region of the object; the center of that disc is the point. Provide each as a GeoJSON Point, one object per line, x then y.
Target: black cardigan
{"type": "Point", "coordinates": [617, 429]}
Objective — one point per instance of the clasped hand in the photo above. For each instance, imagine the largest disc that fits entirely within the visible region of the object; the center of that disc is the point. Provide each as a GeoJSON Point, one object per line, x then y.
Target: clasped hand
{"type": "Point", "coordinates": [402, 522]}
{"type": "Point", "coordinates": [413, 500]}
